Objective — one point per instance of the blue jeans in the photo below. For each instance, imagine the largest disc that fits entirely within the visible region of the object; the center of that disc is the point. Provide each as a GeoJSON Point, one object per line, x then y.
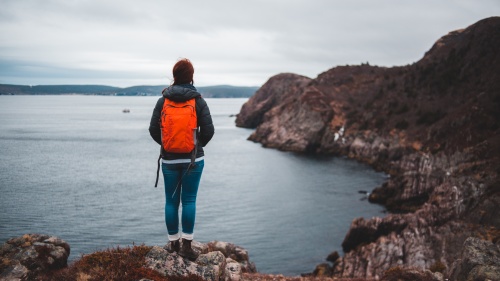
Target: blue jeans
{"type": "Point", "coordinates": [184, 192]}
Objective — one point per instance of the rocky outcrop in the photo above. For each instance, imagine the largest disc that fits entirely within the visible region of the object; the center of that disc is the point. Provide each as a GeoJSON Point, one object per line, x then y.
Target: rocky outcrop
{"type": "Point", "coordinates": [480, 260]}
{"type": "Point", "coordinates": [209, 266]}
{"type": "Point", "coordinates": [44, 257]}
{"type": "Point", "coordinates": [217, 261]}
{"type": "Point", "coordinates": [278, 89]}
{"type": "Point", "coordinates": [233, 253]}
{"type": "Point", "coordinates": [433, 126]}
{"type": "Point", "coordinates": [23, 258]}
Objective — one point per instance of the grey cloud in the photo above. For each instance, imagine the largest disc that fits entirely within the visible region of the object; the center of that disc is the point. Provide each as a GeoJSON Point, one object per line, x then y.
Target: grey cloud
{"type": "Point", "coordinates": [227, 40]}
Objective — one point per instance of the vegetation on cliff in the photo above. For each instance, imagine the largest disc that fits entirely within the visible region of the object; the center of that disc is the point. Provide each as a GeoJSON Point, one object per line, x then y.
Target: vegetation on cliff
{"type": "Point", "coordinates": [111, 264]}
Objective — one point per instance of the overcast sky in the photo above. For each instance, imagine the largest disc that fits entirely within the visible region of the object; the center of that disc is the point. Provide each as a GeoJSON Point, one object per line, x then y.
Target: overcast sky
{"type": "Point", "coordinates": [131, 42]}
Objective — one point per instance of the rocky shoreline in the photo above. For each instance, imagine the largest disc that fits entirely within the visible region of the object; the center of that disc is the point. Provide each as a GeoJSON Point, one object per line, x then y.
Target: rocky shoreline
{"type": "Point", "coordinates": [44, 257]}
{"type": "Point", "coordinates": [433, 126]}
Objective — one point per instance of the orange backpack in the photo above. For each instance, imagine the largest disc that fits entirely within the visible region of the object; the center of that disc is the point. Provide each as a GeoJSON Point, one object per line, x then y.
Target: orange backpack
{"type": "Point", "coordinates": [178, 125]}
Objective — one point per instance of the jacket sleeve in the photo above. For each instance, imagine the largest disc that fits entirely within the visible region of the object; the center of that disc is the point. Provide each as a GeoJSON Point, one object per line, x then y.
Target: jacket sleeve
{"type": "Point", "coordinates": [204, 122]}
{"type": "Point", "coordinates": [154, 125]}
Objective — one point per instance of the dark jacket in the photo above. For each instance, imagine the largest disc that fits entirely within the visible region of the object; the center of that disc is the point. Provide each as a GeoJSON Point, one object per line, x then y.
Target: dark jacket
{"type": "Point", "coordinates": [205, 125]}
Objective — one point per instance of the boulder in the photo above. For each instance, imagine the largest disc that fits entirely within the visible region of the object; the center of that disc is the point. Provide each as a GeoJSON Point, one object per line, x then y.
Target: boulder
{"type": "Point", "coordinates": [217, 261]}
{"type": "Point", "coordinates": [233, 270]}
{"type": "Point", "coordinates": [480, 260]}
{"type": "Point", "coordinates": [234, 252]}
{"type": "Point", "coordinates": [31, 254]}
{"type": "Point", "coordinates": [333, 257]}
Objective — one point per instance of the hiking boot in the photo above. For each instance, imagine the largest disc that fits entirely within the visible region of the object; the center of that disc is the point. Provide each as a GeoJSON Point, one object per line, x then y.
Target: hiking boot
{"type": "Point", "coordinates": [187, 251]}
{"type": "Point", "coordinates": [173, 246]}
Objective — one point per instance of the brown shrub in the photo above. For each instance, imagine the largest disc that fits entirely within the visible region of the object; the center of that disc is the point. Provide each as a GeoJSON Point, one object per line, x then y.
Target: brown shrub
{"type": "Point", "coordinates": [127, 264]}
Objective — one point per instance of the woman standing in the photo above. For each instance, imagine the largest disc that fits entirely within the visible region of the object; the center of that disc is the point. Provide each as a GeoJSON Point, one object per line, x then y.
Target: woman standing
{"type": "Point", "coordinates": [182, 171]}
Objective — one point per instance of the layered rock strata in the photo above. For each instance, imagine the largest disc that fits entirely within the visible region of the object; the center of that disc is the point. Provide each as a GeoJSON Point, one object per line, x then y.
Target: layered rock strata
{"type": "Point", "coordinates": [433, 126]}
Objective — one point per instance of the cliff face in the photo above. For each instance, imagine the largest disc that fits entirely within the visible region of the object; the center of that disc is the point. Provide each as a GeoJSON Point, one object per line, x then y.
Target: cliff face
{"type": "Point", "coordinates": [278, 89]}
{"type": "Point", "coordinates": [433, 126]}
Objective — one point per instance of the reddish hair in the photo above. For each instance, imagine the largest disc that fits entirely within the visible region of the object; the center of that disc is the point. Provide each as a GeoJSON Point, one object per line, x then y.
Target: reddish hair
{"type": "Point", "coordinates": [183, 72]}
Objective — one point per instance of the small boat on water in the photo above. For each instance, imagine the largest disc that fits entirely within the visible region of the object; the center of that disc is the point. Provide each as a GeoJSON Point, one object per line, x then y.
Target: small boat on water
{"type": "Point", "coordinates": [126, 110]}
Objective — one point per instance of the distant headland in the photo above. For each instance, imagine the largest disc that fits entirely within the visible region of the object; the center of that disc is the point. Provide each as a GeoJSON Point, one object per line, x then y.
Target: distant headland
{"type": "Point", "coordinates": [219, 91]}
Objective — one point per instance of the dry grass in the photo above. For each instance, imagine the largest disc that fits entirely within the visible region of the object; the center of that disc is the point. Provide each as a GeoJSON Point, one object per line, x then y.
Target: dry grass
{"type": "Point", "coordinates": [124, 264]}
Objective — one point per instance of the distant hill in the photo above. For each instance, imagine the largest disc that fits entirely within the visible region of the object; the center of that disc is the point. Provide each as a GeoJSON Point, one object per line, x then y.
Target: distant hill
{"type": "Point", "coordinates": [225, 91]}
{"type": "Point", "coordinates": [6, 89]}
{"type": "Point", "coordinates": [222, 91]}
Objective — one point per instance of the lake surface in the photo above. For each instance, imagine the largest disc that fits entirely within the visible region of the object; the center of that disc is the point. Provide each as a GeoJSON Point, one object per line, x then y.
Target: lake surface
{"type": "Point", "coordinates": [79, 168]}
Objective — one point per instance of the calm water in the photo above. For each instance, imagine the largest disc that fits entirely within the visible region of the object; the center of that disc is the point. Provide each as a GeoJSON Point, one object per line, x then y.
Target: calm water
{"type": "Point", "coordinates": [78, 168]}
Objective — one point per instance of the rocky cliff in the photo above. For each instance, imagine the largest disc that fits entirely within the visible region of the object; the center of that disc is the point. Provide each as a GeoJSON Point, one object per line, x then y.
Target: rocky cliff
{"type": "Point", "coordinates": [43, 257]}
{"type": "Point", "coordinates": [433, 126]}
